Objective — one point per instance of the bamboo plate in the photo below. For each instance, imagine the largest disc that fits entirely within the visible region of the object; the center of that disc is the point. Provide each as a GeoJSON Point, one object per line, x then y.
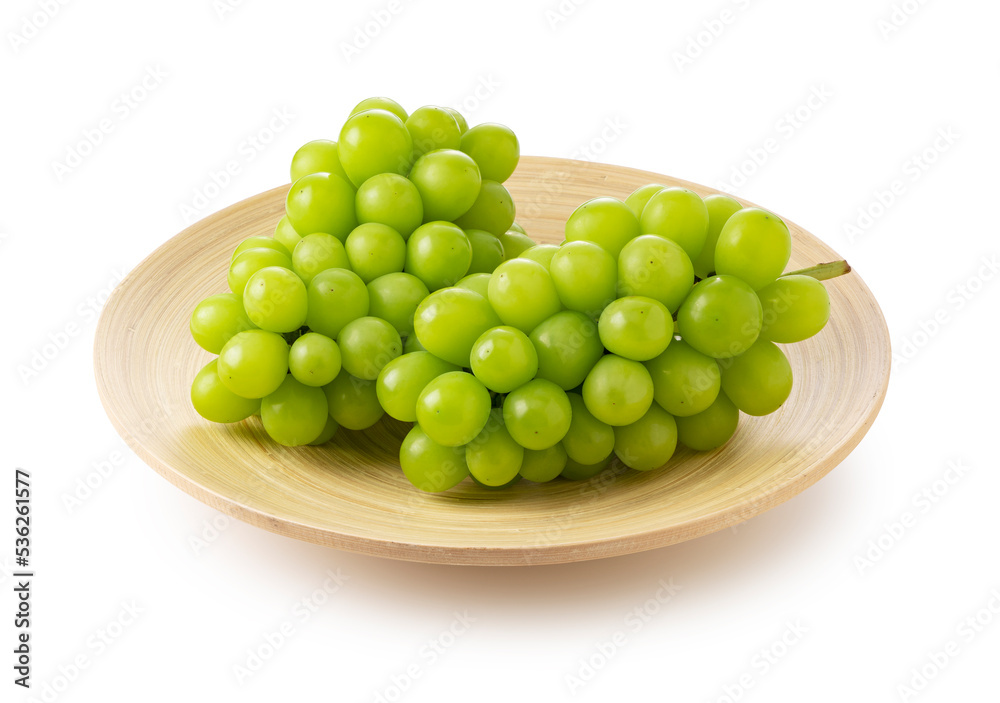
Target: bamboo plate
{"type": "Point", "coordinates": [351, 493]}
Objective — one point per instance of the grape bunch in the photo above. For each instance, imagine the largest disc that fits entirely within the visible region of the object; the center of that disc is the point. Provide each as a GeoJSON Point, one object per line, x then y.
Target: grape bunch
{"type": "Point", "coordinates": [399, 283]}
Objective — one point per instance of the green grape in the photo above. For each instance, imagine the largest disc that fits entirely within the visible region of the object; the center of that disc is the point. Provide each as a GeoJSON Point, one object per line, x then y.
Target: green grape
{"type": "Point", "coordinates": [754, 245]}
{"type": "Point", "coordinates": [585, 276]}
{"type": "Point", "coordinates": [492, 211]}
{"type": "Point", "coordinates": [721, 317]}
{"type": "Point", "coordinates": [250, 262]}
{"type": "Point", "coordinates": [321, 202]}
{"type": "Point", "coordinates": [656, 268]}
{"type": "Point", "coordinates": [759, 380]}
{"type": "Point", "coordinates": [412, 344]}
{"type": "Point", "coordinates": [487, 252]}
{"type": "Point", "coordinates": [618, 391]}
{"type": "Point", "coordinates": [537, 414]}
{"type": "Point", "coordinates": [367, 345]}
{"type": "Point", "coordinates": [607, 222]}
{"type": "Point", "coordinates": [495, 148]}
{"type": "Point", "coordinates": [295, 414]}
{"type": "Point", "coordinates": [517, 228]}
{"type": "Point", "coordinates": [216, 319]}
{"type": "Point", "coordinates": [463, 126]}
{"type": "Point", "coordinates": [522, 294]}
{"type": "Point", "coordinates": [503, 358]}
{"type": "Point", "coordinates": [387, 104]}
{"type": "Point", "coordinates": [649, 442]}
{"type": "Point", "coordinates": [336, 296]}
{"type": "Point", "coordinates": [795, 308]}
{"type": "Point", "coordinates": [448, 322]}
{"type": "Point", "coordinates": [286, 234]}
{"type": "Point", "coordinates": [215, 402]}
{"type": "Point", "coordinates": [720, 209]}
{"type": "Point", "coordinates": [394, 297]}
{"type": "Point", "coordinates": [568, 346]}
{"type": "Point", "coordinates": [318, 252]}
{"type": "Point", "coordinates": [319, 156]}
{"type": "Point", "coordinates": [514, 244]}
{"type": "Point", "coordinates": [448, 182]}
{"type": "Point", "coordinates": [374, 142]}
{"type": "Point", "coordinates": [401, 381]}
{"type": "Point", "coordinates": [433, 128]}
{"type": "Point", "coordinates": [375, 250]}
{"type": "Point", "coordinates": [576, 471]}
{"type": "Point", "coordinates": [353, 402]}
{"type": "Point", "coordinates": [259, 243]}
{"type": "Point", "coordinates": [636, 328]}
{"type": "Point", "coordinates": [493, 457]}
{"type": "Point", "coordinates": [314, 359]}
{"type": "Point", "coordinates": [640, 196]}
{"type": "Point", "coordinates": [392, 200]}
{"type": "Point", "coordinates": [453, 408]}
{"type": "Point", "coordinates": [710, 428]}
{"type": "Point", "coordinates": [685, 381]}
{"type": "Point", "coordinates": [587, 436]}
{"type": "Point", "coordinates": [254, 363]}
{"type": "Point", "coordinates": [429, 466]}
{"type": "Point", "coordinates": [439, 254]}
{"type": "Point", "coordinates": [679, 215]}
{"type": "Point", "coordinates": [477, 283]}
{"type": "Point", "coordinates": [329, 430]}
{"type": "Point", "coordinates": [543, 465]}
{"type": "Point", "coordinates": [540, 253]}
{"type": "Point", "coordinates": [276, 300]}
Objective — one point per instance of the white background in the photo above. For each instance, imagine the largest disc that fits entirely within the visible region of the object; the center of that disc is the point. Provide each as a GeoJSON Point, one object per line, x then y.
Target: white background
{"type": "Point", "coordinates": [556, 76]}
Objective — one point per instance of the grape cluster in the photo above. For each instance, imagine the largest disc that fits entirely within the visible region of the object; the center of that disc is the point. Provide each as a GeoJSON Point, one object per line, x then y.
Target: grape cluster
{"type": "Point", "coordinates": [399, 283]}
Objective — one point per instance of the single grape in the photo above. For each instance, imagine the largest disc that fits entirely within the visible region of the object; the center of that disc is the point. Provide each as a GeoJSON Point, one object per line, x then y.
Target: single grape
{"type": "Point", "coordinates": [286, 234]}
{"type": "Point", "coordinates": [353, 402]}
{"type": "Point", "coordinates": [710, 428]}
{"type": "Point", "coordinates": [276, 300]}
{"type": "Point", "coordinates": [585, 276]}
{"type": "Point", "coordinates": [250, 262]}
{"type": "Point", "coordinates": [254, 363]}
{"type": "Point", "coordinates": [216, 319]}
{"type": "Point", "coordinates": [575, 471]}
{"type": "Point", "coordinates": [453, 408]}
{"type": "Point", "coordinates": [295, 414]}
{"type": "Point", "coordinates": [321, 202]}
{"type": "Point", "coordinates": [318, 252]}
{"type": "Point", "coordinates": [636, 328]}
{"type": "Point", "coordinates": [448, 182]}
{"type": "Point", "coordinates": [517, 228]}
{"type": "Point", "coordinates": [522, 294]}
{"type": "Point", "coordinates": [387, 104]}
{"type": "Point", "coordinates": [640, 196]}
{"type": "Point", "coordinates": [375, 250]}
{"type": "Point", "coordinates": [477, 283]}
{"type": "Point", "coordinates": [314, 359]}
{"type": "Point", "coordinates": [587, 436]}
{"type": "Point", "coordinates": [514, 244]}
{"type": "Point", "coordinates": [537, 414]}
{"type": "Point", "coordinates": [215, 402]}
{"type": "Point", "coordinates": [433, 128]}
{"type": "Point", "coordinates": [448, 322]}
{"type": "Point", "coordinates": [493, 457]}
{"type": "Point", "coordinates": [685, 381]}
{"type": "Point", "coordinates": [543, 465]}
{"type": "Point", "coordinates": [430, 466]}
{"type": "Point", "coordinates": [392, 200]}
{"type": "Point", "coordinates": [649, 442]}
{"type": "Point", "coordinates": [607, 222]}
{"type": "Point", "coordinates": [329, 430]}
{"type": "Point", "coordinates": [568, 346]}
{"type": "Point", "coordinates": [401, 381]}
{"type": "Point", "coordinates": [721, 317]}
{"type": "Point", "coordinates": [754, 245]}
{"type": "Point", "coordinates": [336, 296]}
{"type": "Point", "coordinates": [657, 268]}
{"type": "Point", "coordinates": [487, 252]}
{"type": "Point", "coordinates": [759, 380]}
{"type": "Point", "coordinates": [503, 358]}
{"type": "Point", "coordinates": [439, 254]}
{"type": "Point", "coordinates": [319, 156]}
{"type": "Point", "coordinates": [374, 142]}
{"type": "Point", "coordinates": [618, 391]}
{"type": "Point", "coordinates": [795, 308]}
{"type": "Point", "coordinates": [720, 209]}
{"type": "Point", "coordinates": [679, 215]}
{"type": "Point", "coordinates": [367, 345]}
{"type": "Point", "coordinates": [493, 210]}
{"type": "Point", "coordinates": [259, 243]}
{"type": "Point", "coordinates": [540, 253]}
{"type": "Point", "coordinates": [394, 297]}
{"type": "Point", "coordinates": [494, 148]}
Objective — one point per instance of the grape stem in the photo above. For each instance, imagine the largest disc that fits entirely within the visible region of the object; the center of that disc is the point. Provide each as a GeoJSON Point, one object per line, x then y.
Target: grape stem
{"type": "Point", "coordinates": [823, 272]}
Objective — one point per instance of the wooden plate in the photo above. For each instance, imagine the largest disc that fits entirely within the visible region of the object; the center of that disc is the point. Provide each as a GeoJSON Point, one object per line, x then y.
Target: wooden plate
{"type": "Point", "coordinates": [352, 495]}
